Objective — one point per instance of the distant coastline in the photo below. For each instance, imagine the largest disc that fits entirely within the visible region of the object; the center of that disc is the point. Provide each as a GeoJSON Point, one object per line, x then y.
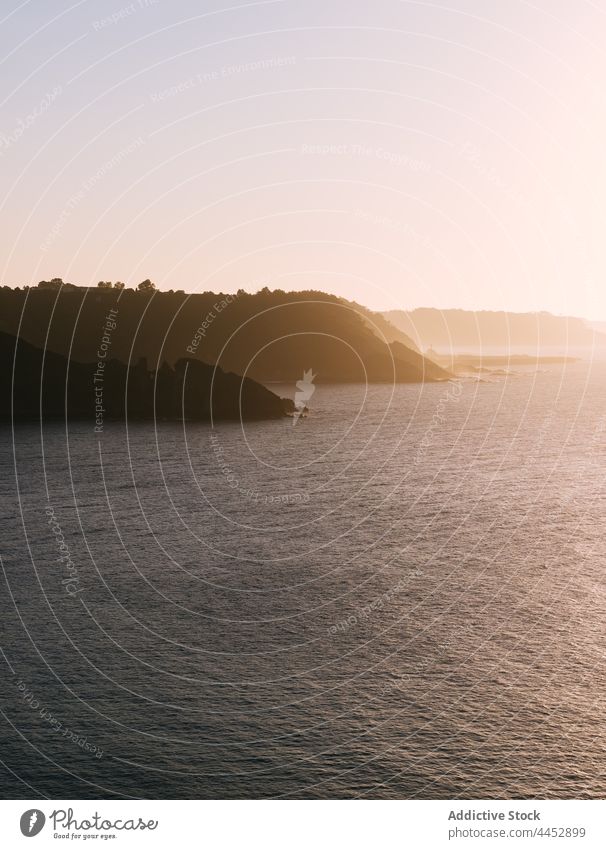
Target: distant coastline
{"type": "Point", "coordinates": [269, 336]}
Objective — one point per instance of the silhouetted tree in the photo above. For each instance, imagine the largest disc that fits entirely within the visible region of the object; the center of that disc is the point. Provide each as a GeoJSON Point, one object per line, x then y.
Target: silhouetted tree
{"type": "Point", "coordinates": [119, 285]}
{"type": "Point", "coordinates": [55, 283]}
{"type": "Point", "coordinates": [146, 286]}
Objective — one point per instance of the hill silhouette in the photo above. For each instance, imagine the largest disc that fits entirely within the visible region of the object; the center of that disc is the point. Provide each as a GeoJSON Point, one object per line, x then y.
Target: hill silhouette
{"type": "Point", "coordinates": [35, 384]}
{"type": "Point", "coordinates": [269, 336]}
{"type": "Point", "coordinates": [459, 328]}
{"type": "Point", "coordinates": [384, 328]}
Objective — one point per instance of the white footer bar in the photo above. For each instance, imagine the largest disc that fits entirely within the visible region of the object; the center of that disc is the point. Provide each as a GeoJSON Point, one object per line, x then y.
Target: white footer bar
{"type": "Point", "coordinates": [306, 824]}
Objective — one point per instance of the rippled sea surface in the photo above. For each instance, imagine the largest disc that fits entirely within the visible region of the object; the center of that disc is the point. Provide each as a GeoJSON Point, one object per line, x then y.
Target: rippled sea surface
{"type": "Point", "coordinates": [401, 595]}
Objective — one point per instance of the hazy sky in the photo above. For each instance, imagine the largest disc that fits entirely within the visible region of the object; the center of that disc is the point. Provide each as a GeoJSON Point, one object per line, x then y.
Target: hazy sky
{"type": "Point", "coordinates": [399, 153]}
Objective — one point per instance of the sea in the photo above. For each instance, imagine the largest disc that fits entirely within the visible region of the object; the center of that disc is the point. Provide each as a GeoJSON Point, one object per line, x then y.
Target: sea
{"type": "Point", "coordinates": [400, 594]}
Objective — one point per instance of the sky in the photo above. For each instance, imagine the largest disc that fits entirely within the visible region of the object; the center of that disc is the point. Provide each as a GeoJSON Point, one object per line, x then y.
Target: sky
{"type": "Point", "coordinates": [400, 154]}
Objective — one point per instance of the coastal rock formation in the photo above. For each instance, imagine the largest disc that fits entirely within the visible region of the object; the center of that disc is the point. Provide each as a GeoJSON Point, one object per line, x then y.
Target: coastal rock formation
{"type": "Point", "coordinates": [41, 384]}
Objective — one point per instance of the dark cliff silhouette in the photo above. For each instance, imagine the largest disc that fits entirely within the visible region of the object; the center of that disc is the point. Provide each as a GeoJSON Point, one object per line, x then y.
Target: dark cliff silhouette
{"type": "Point", "coordinates": [35, 384]}
{"type": "Point", "coordinates": [269, 336]}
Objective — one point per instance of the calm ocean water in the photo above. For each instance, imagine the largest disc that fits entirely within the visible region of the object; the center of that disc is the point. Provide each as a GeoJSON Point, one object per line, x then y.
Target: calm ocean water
{"type": "Point", "coordinates": [401, 595]}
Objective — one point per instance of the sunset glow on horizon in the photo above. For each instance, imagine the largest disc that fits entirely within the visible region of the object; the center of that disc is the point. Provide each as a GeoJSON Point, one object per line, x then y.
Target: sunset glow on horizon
{"type": "Point", "coordinates": [397, 154]}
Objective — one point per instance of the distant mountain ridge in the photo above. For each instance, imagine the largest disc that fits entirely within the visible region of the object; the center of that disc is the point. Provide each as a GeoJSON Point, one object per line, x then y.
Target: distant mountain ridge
{"type": "Point", "coordinates": [382, 327]}
{"type": "Point", "coordinates": [453, 328]}
{"type": "Point", "coordinates": [269, 336]}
